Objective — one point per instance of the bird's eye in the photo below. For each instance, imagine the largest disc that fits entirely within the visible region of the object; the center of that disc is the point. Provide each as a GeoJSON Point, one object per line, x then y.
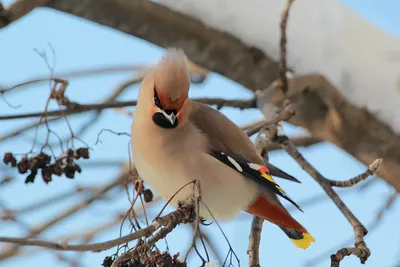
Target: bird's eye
{"type": "Point", "coordinates": [157, 101]}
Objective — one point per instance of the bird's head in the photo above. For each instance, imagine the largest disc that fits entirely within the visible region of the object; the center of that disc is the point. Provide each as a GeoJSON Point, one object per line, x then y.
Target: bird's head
{"type": "Point", "coordinates": [167, 89]}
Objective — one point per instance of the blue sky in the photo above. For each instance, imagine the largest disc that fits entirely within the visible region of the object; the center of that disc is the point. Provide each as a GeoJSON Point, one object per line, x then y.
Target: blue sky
{"type": "Point", "coordinates": [80, 44]}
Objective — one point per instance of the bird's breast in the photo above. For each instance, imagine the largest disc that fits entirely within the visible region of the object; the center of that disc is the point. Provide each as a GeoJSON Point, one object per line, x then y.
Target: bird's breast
{"type": "Point", "coordinates": [167, 169]}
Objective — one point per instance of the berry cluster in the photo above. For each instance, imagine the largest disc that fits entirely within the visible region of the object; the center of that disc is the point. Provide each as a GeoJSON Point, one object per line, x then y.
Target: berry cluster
{"type": "Point", "coordinates": [42, 162]}
{"type": "Point", "coordinates": [153, 259]}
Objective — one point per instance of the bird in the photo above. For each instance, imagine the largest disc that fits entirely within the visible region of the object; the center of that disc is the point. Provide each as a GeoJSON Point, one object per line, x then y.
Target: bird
{"type": "Point", "coordinates": [176, 140]}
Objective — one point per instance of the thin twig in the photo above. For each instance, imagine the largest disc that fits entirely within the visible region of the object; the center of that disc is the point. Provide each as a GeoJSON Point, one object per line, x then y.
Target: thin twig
{"type": "Point", "coordinates": [353, 181]}
{"type": "Point", "coordinates": [284, 115]}
{"type": "Point", "coordinates": [282, 63]}
{"type": "Point", "coordinates": [75, 74]}
{"type": "Point", "coordinates": [300, 141]}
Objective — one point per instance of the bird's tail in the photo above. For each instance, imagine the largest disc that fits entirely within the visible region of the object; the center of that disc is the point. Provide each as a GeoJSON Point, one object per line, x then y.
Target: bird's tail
{"type": "Point", "coordinates": [299, 239]}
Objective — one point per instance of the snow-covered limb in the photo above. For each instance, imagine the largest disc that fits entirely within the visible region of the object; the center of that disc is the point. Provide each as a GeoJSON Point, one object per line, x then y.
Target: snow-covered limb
{"type": "Point", "coordinates": [325, 37]}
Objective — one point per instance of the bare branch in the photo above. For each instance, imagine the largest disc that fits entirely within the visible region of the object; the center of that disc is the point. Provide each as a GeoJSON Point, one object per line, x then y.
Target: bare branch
{"type": "Point", "coordinates": [73, 74]}
{"type": "Point", "coordinates": [203, 45]}
{"type": "Point", "coordinates": [282, 63]}
{"type": "Point", "coordinates": [301, 141]}
{"type": "Point", "coordinates": [360, 231]}
{"type": "Point", "coordinates": [17, 10]}
{"type": "Point", "coordinates": [174, 217]}
{"type": "Point", "coordinates": [74, 108]}
{"type": "Point", "coordinates": [283, 115]}
{"type": "Point", "coordinates": [254, 241]}
{"type": "Point", "coordinates": [353, 181]}
{"type": "Point", "coordinates": [6, 253]}
{"type": "Point", "coordinates": [328, 116]}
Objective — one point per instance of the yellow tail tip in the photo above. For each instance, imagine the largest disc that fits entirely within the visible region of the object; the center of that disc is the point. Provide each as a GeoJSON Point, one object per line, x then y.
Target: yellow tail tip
{"type": "Point", "coordinates": [305, 242]}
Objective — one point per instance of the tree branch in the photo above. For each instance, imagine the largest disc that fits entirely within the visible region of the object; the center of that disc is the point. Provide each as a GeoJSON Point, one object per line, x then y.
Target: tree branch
{"type": "Point", "coordinates": [283, 41]}
{"type": "Point", "coordinates": [254, 241]}
{"type": "Point", "coordinates": [217, 51]}
{"type": "Point", "coordinates": [353, 181]}
{"type": "Point", "coordinates": [6, 253]}
{"type": "Point", "coordinates": [360, 250]}
{"type": "Point", "coordinates": [74, 108]}
{"type": "Point", "coordinates": [301, 141]}
{"type": "Point", "coordinates": [328, 116]}
{"type": "Point", "coordinates": [172, 218]}
{"type": "Point", "coordinates": [17, 10]}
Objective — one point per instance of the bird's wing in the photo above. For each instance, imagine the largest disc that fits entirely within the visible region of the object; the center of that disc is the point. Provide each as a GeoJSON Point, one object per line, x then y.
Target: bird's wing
{"type": "Point", "coordinates": [275, 171]}
{"type": "Point", "coordinates": [224, 135]}
{"type": "Point", "coordinates": [258, 173]}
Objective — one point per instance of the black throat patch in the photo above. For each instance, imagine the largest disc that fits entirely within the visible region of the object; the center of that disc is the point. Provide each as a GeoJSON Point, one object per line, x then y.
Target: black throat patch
{"type": "Point", "coordinates": [160, 120]}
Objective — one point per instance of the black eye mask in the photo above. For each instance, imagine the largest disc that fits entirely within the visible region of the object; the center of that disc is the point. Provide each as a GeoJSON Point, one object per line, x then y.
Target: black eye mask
{"type": "Point", "coordinates": [157, 101]}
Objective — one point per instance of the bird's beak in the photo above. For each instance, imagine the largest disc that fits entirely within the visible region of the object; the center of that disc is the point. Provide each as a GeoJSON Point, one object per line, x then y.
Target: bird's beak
{"type": "Point", "coordinates": [171, 117]}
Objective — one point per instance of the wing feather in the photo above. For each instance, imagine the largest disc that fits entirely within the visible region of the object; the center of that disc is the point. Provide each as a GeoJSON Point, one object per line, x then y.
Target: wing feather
{"type": "Point", "coordinates": [224, 135]}
{"type": "Point", "coordinates": [256, 172]}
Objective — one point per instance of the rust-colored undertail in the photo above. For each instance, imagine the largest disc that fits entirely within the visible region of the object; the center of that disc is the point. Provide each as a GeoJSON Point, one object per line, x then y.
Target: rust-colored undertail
{"type": "Point", "coordinates": [265, 209]}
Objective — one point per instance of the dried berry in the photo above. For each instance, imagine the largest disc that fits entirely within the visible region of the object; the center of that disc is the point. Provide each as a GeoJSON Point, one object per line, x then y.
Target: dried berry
{"type": "Point", "coordinates": [77, 168]}
{"type": "Point", "coordinates": [9, 158]}
{"type": "Point", "coordinates": [31, 177]}
{"type": "Point", "coordinates": [108, 261]}
{"type": "Point", "coordinates": [82, 153]}
{"type": "Point", "coordinates": [56, 168]}
{"type": "Point", "coordinates": [147, 195]}
{"type": "Point", "coordinates": [23, 165]}
{"type": "Point", "coordinates": [46, 174]}
{"type": "Point", "coordinates": [33, 164]}
{"type": "Point", "coordinates": [69, 170]}
{"type": "Point", "coordinates": [13, 162]}
{"type": "Point", "coordinates": [70, 152]}
{"type": "Point", "coordinates": [43, 160]}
